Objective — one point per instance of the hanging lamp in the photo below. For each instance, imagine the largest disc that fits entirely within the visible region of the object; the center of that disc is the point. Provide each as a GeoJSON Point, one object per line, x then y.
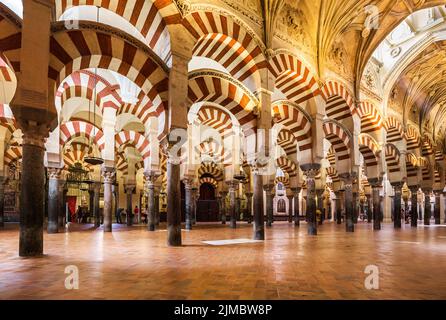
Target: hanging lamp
{"type": "Point", "coordinates": [91, 158]}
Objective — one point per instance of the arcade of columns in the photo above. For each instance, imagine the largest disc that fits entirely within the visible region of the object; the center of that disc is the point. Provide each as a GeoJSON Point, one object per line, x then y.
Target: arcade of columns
{"type": "Point", "coordinates": [240, 96]}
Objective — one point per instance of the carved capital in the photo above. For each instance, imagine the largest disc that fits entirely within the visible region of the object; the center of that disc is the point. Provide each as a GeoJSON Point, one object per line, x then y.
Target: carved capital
{"type": "Point", "coordinates": [108, 175]}
{"type": "Point", "coordinates": [55, 173]}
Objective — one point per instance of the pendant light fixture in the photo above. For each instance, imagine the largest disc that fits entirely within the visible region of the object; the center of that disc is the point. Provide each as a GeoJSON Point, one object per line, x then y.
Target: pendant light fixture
{"type": "Point", "coordinates": [90, 158]}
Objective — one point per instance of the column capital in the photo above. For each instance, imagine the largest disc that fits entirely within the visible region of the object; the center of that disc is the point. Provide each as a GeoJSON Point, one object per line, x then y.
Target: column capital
{"type": "Point", "coordinates": [397, 185]}
{"type": "Point", "coordinates": [268, 188]}
{"type": "Point", "coordinates": [375, 182]}
{"type": "Point", "coordinates": [108, 174]}
{"type": "Point", "coordinates": [55, 173]}
{"type": "Point", "coordinates": [311, 170]}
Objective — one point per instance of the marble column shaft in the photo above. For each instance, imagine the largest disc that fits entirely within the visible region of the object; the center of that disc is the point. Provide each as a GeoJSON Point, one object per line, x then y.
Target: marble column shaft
{"type": "Point", "coordinates": [348, 201]}
{"type": "Point", "coordinates": [96, 196]}
{"type": "Point", "coordinates": [173, 204]}
{"type": "Point", "coordinates": [437, 208]}
{"type": "Point", "coordinates": [53, 200]}
{"type": "Point", "coordinates": [427, 207]}
{"type": "Point", "coordinates": [259, 219]}
{"type": "Point", "coordinates": [414, 209]}
{"type": "Point", "coordinates": [269, 205]}
{"type": "Point", "coordinates": [249, 207]}
{"type": "Point", "coordinates": [397, 205]}
{"type": "Point", "coordinates": [376, 184]}
{"type": "Point", "coordinates": [311, 171]}
{"type": "Point", "coordinates": [232, 204]}
{"type": "Point", "coordinates": [189, 204]}
{"type": "Point", "coordinates": [108, 176]}
{"type": "Point", "coordinates": [129, 192]}
{"type": "Point", "coordinates": [296, 192]}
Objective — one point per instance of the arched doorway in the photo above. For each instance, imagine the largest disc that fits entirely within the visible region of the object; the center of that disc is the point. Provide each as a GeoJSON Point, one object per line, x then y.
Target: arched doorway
{"type": "Point", "coordinates": [207, 209]}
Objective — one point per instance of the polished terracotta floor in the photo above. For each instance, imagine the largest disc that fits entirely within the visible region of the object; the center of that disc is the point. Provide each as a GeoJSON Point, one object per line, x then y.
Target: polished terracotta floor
{"type": "Point", "coordinates": [135, 264]}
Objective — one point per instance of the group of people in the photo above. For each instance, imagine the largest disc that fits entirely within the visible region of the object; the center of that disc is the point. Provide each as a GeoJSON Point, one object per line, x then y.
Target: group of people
{"type": "Point", "coordinates": [123, 212]}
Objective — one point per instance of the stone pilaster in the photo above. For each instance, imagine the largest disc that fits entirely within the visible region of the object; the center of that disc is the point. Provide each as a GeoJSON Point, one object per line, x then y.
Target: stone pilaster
{"type": "Point", "coordinates": [347, 178]}
{"type": "Point", "coordinates": [54, 175]}
{"type": "Point", "coordinates": [311, 171]}
{"type": "Point", "coordinates": [269, 204]}
{"type": "Point", "coordinates": [296, 192]}
{"type": "Point", "coordinates": [108, 176]}
{"type": "Point", "coordinates": [129, 188]}
{"type": "Point", "coordinates": [414, 209]}
{"type": "Point", "coordinates": [397, 186]}
{"type": "Point", "coordinates": [376, 184]}
{"type": "Point", "coordinates": [151, 203]}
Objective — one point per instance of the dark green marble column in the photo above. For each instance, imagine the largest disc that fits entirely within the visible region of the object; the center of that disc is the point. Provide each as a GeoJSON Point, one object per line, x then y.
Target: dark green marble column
{"type": "Point", "coordinates": [376, 184]}
{"type": "Point", "coordinates": [347, 178]}
{"type": "Point", "coordinates": [269, 204]}
{"type": "Point", "coordinates": [259, 218]}
{"type": "Point", "coordinates": [437, 207]}
{"type": "Point", "coordinates": [249, 207]}
{"type": "Point", "coordinates": [311, 171]}
{"type": "Point", "coordinates": [54, 175]}
{"type": "Point", "coordinates": [296, 193]}
{"type": "Point", "coordinates": [427, 206]}
{"type": "Point", "coordinates": [414, 210]}
{"type": "Point", "coordinates": [397, 186]}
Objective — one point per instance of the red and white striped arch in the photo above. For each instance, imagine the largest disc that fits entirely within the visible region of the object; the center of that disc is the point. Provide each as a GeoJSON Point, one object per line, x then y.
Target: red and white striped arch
{"type": "Point", "coordinates": [426, 169]}
{"type": "Point", "coordinates": [122, 164]}
{"type": "Point", "coordinates": [411, 165]}
{"type": "Point", "coordinates": [331, 156]}
{"type": "Point", "coordinates": [83, 84]}
{"type": "Point", "coordinates": [392, 158]}
{"type": "Point", "coordinates": [371, 119]}
{"type": "Point", "coordinates": [143, 15]}
{"type": "Point", "coordinates": [287, 141]}
{"type": "Point", "coordinates": [217, 88]}
{"type": "Point", "coordinates": [293, 78]}
{"type": "Point", "coordinates": [134, 139]}
{"type": "Point", "coordinates": [394, 130]}
{"type": "Point", "coordinates": [333, 174]}
{"type": "Point", "coordinates": [413, 138]}
{"type": "Point", "coordinates": [437, 176]}
{"type": "Point", "coordinates": [73, 129]}
{"type": "Point", "coordinates": [369, 149]}
{"type": "Point", "coordinates": [76, 154]}
{"type": "Point", "coordinates": [222, 39]}
{"type": "Point", "coordinates": [427, 148]}
{"type": "Point", "coordinates": [288, 166]}
{"type": "Point", "coordinates": [73, 50]}
{"type": "Point", "coordinates": [209, 180]}
{"type": "Point", "coordinates": [294, 120]}
{"type": "Point", "coordinates": [283, 180]}
{"type": "Point", "coordinates": [215, 150]}
{"type": "Point", "coordinates": [12, 154]}
{"type": "Point", "coordinates": [211, 169]}
{"type": "Point", "coordinates": [215, 118]}
{"type": "Point", "coordinates": [10, 39]}
{"type": "Point", "coordinates": [340, 141]}
{"type": "Point", "coordinates": [439, 157]}
{"type": "Point", "coordinates": [340, 104]}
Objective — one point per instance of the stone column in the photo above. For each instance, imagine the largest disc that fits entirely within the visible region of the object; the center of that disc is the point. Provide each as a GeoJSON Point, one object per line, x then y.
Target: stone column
{"type": "Point", "coordinates": [189, 203]}
{"type": "Point", "coordinates": [90, 200]}
{"type": "Point", "coordinates": [195, 199]}
{"type": "Point", "coordinates": [96, 213]}
{"type": "Point", "coordinates": [232, 210]}
{"type": "Point", "coordinates": [115, 191]}
{"type": "Point", "coordinates": [223, 195]}
{"type": "Point", "coordinates": [108, 175]}
{"type": "Point", "coordinates": [129, 192]}
{"type": "Point", "coordinates": [427, 207]}
{"type": "Point", "coordinates": [397, 205]}
{"type": "Point", "coordinates": [2, 201]}
{"type": "Point", "coordinates": [54, 175]}
{"type": "Point", "coordinates": [348, 200]}
{"type": "Point", "coordinates": [369, 208]}
{"type": "Point", "coordinates": [311, 171]}
{"type": "Point", "coordinates": [151, 206]}
{"type": "Point", "coordinates": [437, 208]}
{"type": "Point", "coordinates": [414, 211]}
{"type": "Point", "coordinates": [259, 219]}
{"type": "Point", "coordinates": [338, 212]}
{"type": "Point", "coordinates": [356, 207]}
{"type": "Point", "coordinates": [173, 202]}
{"type": "Point", "coordinates": [32, 192]}
{"type": "Point", "coordinates": [320, 204]}
{"type": "Point", "coordinates": [63, 205]}
{"type": "Point", "coordinates": [249, 207]}
{"type": "Point", "coordinates": [61, 201]}
{"type": "Point", "coordinates": [376, 184]}
{"type": "Point", "coordinates": [290, 208]}
{"type": "Point", "coordinates": [269, 204]}
{"type": "Point", "coordinates": [296, 192]}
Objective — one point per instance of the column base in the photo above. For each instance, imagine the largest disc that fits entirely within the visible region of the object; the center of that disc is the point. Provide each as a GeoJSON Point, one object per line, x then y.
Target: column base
{"type": "Point", "coordinates": [31, 242]}
{"type": "Point", "coordinates": [259, 233]}
{"type": "Point", "coordinates": [151, 227]}
{"type": "Point", "coordinates": [53, 227]}
{"type": "Point", "coordinates": [174, 236]}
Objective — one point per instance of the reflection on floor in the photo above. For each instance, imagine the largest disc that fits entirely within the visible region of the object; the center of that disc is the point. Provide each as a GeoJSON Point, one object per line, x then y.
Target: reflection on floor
{"type": "Point", "coordinates": [135, 264]}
